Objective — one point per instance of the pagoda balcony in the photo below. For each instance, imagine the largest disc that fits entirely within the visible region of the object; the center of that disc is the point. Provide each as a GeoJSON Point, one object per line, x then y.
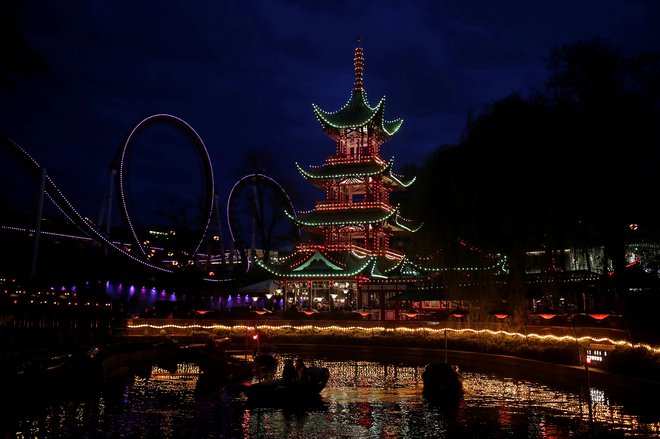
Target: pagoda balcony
{"type": "Point", "coordinates": [335, 205]}
{"type": "Point", "coordinates": [340, 160]}
{"type": "Point", "coordinates": [359, 251]}
{"type": "Point", "coordinates": [353, 248]}
{"type": "Point", "coordinates": [390, 253]}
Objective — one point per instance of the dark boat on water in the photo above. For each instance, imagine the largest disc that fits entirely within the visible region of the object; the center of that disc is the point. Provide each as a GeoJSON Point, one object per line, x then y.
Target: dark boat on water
{"type": "Point", "coordinates": [284, 392]}
{"type": "Point", "coordinates": [443, 383]}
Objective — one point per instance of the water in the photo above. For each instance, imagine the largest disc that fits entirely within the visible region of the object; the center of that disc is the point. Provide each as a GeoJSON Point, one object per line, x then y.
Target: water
{"type": "Point", "coordinates": [363, 399]}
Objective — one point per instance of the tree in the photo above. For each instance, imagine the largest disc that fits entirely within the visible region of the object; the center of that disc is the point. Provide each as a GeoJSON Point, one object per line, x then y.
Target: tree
{"type": "Point", "coordinates": [611, 101]}
{"type": "Point", "coordinates": [571, 164]}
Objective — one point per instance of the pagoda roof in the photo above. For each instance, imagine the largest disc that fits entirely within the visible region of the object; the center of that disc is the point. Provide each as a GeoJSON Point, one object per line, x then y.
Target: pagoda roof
{"type": "Point", "coordinates": [405, 224]}
{"type": "Point", "coordinates": [404, 268]}
{"type": "Point", "coordinates": [357, 113]}
{"type": "Point", "coordinates": [344, 170]}
{"type": "Point", "coordinates": [355, 170]}
{"type": "Point", "coordinates": [318, 218]}
{"type": "Point", "coordinates": [398, 179]}
{"type": "Point", "coordinates": [356, 215]}
{"type": "Point", "coordinates": [317, 264]}
{"type": "Point", "coordinates": [334, 264]}
{"type": "Point", "coordinates": [460, 256]}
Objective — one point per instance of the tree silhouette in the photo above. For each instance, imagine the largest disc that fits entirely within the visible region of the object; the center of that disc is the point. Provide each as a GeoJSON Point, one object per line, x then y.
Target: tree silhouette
{"type": "Point", "coordinates": [571, 165]}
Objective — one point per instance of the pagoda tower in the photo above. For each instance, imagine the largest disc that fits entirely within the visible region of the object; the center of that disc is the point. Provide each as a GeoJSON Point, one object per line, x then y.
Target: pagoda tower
{"type": "Point", "coordinates": [352, 266]}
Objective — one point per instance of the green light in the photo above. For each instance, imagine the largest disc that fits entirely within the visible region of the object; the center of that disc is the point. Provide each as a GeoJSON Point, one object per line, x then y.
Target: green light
{"type": "Point", "coordinates": [318, 257]}
{"type": "Point", "coordinates": [358, 101]}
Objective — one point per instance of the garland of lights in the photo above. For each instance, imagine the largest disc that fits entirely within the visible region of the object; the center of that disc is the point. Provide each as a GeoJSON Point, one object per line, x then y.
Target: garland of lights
{"type": "Point", "coordinates": [403, 330]}
{"type": "Point", "coordinates": [385, 167]}
{"type": "Point", "coordinates": [312, 176]}
{"type": "Point", "coordinates": [308, 223]}
{"type": "Point", "coordinates": [361, 100]}
{"type": "Point", "coordinates": [272, 270]}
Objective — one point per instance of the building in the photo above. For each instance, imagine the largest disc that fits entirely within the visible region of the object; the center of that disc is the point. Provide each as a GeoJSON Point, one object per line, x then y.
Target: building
{"type": "Point", "coordinates": [352, 264]}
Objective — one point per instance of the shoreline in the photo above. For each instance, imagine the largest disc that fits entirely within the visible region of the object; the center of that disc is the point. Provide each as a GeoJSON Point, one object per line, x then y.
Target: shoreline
{"type": "Point", "coordinates": [565, 375]}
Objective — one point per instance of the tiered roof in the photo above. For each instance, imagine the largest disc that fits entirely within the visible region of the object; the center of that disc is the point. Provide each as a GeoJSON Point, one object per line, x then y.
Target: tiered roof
{"type": "Point", "coordinates": [347, 215]}
{"type": "Point", "coordinates": [357, 112]}
{"type": "Point", "coordinates": [357, 170]}
{"type": "Point", "coordinates": [348, 260]}
{"type": "Point", "coordinates": [313, 262]}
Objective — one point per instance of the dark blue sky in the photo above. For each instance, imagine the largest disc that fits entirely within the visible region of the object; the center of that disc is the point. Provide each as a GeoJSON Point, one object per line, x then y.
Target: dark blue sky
{"type": "Point", "coordinates": [245, 73]}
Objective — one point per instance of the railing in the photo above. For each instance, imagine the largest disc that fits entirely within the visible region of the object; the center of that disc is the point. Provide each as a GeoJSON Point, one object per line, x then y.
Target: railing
{"type": "Point", "coordinates": [335, 160]}
{"type": "Point", "coordinates": [338, 205]}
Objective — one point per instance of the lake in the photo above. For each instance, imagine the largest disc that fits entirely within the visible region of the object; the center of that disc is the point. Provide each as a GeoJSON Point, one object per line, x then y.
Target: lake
{"type": "Point", "coordinates": [363, 399]}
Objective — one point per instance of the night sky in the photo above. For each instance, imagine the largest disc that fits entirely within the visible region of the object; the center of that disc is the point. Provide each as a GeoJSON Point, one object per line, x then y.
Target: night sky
{"type": "Point", "coordinates": [244, 75]}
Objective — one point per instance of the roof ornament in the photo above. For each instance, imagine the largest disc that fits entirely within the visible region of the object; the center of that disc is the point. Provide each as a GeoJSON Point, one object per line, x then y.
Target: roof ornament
{"type": "Point", "coordinates": [358, 62]}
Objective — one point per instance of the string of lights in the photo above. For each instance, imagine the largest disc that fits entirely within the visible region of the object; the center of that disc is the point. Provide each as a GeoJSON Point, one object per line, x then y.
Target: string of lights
{"type": "Point", "coordinates": [435, 331]}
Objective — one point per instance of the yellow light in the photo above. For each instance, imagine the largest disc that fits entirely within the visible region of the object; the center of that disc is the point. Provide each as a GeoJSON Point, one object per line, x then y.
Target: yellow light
{"type": "Point", "coordinates": [438, 331]}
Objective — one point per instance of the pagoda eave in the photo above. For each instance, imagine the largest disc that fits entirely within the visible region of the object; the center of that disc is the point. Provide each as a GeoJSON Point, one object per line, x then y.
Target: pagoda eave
{"type": "Point", "coordinates": [342, 170]}
{"type": "Point", "coordinates": [343, 217]}
{"type": "Point", "coordinates": [357, 113]}
{"type": "Point", "coordinates": [318, 266]}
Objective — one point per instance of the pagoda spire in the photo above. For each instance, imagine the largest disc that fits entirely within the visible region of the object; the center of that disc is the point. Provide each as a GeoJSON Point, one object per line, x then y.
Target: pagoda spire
{"type": "Point", "coordinates": [358, 63]}
{"type": "Point", "coordinates": [357, 112]}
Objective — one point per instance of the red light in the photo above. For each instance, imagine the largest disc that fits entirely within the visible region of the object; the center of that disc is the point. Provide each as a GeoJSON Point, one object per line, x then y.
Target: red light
{"type": "Point", "coordinates": [211, 273]}
{"type": "Point", "coordinates": [255, 337]}
{"type": "Point", "coordinates": [588, 360]}
{"type": "Point", "coordinates": [547, 316]}
{"type": "Point", "coordinates": [599, 316]}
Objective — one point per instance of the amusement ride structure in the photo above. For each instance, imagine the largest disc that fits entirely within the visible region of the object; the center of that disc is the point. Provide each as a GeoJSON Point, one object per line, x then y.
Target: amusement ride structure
{"type": "Point", "coordinates": [250, 207]}
{"type": "Point", "coordinates": [349, 255]}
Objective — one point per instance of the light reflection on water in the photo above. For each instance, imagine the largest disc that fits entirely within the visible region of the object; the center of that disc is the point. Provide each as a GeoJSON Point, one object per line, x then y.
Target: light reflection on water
{"type": "Point", "coordinates": [363, 399]}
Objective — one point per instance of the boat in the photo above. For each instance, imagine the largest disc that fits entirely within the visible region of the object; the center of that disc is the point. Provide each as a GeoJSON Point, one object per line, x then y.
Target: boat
{"type": "Point", "coordinates": [285, 392]}
{"type": "Point", "coordinates": [443, 382]}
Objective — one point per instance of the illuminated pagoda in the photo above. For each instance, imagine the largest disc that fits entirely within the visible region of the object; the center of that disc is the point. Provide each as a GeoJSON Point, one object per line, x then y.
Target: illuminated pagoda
{"type": "Point", "coordinates": [353, 266]}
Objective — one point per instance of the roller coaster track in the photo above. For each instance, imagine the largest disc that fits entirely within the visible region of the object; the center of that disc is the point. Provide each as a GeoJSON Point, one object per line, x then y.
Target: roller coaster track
{"type": "Point", "coordinates": [120, 165]}
{"type": "Point", "coordinates": [56, 196]}
{"type": "Point", "coordinates": [34, 170]}
{"type": "Point", "coordinates": [232, 215]}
